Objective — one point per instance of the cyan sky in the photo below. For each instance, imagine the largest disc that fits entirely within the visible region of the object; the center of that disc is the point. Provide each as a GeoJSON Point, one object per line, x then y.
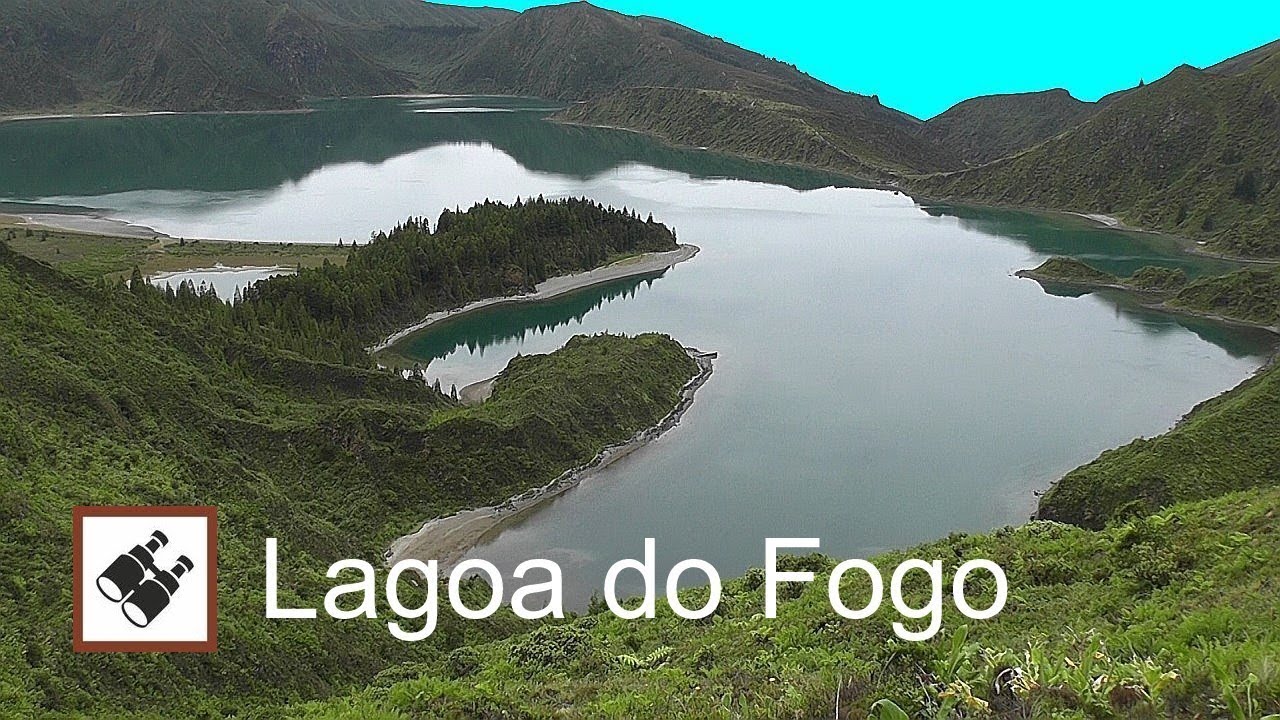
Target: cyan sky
{"type": "Point", "coordinates": [924, 56]}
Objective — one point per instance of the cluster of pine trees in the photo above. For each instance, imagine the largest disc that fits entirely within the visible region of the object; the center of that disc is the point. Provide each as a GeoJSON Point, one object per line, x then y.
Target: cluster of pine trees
{"type": "Point", "coordinates": [333, 312]}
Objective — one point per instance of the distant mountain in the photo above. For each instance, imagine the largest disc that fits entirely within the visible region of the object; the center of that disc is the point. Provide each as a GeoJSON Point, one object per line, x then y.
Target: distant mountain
{"type": "Point", "coordinates": [578, 51]}
{"type": "Point", "coordinates": [255, 54]}
{"type": "Point", "coordinates": [1195, 153]}
{"type": "Point", "coordinates": [219, 54]}
{"type": "Point", "coordinates": [985, 128]}
{"type": "Point", "coordinates": [658, 77]}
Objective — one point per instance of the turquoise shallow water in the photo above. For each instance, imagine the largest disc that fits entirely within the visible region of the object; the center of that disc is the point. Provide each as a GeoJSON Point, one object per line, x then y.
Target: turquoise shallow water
{"type": "Point", "coordinates": [883, 378]}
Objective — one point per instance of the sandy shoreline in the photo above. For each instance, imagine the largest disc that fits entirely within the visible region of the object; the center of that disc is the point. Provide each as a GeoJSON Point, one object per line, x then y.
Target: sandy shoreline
{"type": "Point", "coordinates": [85, 223]}
{"type": "Point", "coordinates": [630, 267]}
{"type": "Point", "coordinates": [448, 539]}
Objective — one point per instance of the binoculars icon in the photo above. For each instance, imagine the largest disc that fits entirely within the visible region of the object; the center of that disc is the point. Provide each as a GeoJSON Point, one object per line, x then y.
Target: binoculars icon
{"type": "Point", "coordinates": [142, 589]}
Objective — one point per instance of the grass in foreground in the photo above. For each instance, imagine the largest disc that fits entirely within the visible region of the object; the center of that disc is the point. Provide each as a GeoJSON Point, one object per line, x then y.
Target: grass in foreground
{"type": "Point", "coordinates": [1171, 615]}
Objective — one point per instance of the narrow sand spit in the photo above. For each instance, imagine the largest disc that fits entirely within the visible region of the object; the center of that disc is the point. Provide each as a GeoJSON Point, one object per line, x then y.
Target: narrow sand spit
{"type": "Point", "coordinates": [630, 267]}
{"type": "Point", "coordinates": [87, 223]}
{"type": "Point", "coordinates": [449, 539]}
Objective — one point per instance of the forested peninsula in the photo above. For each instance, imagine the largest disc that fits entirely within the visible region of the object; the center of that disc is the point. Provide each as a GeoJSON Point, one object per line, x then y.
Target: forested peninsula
{"type": "Point", "coordinates": [126, 394]}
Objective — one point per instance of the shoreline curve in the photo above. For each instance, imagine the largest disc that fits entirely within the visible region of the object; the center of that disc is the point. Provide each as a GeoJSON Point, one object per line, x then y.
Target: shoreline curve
{"type": "Point", "coordinates": [553, 287]}
{"type": "Point", "coordinates": [449, 538]}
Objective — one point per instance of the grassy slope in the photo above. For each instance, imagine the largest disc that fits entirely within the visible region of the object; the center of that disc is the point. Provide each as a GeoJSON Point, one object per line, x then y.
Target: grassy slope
{"type": "Point", "coordinates": [229, 54]}
{"type": "Point", "coordinates": [1251, 295]}
{"type": "Point", "coordinates": [112, 397]}
{"type": "Point", "coordinates": [1228, 443]}
{"type": "Point", "coordinates": [1195, 153]}
{"type": "Point", "coordinates": [576, 50]}
{"type": "Point", "coordinates": [863, 141]}
{"type": "Point", "coordinates": [90, 257]}
{"type": "Point", "coordinates": [1231, 442]}
{"type": "Point", "coordinates": [1093, 621]}
{"type": "Point", "coordinates": [986, 128]}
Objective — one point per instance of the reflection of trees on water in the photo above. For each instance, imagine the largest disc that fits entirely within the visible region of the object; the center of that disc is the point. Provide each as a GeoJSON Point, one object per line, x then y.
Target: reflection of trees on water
{"type": "Point", "coordinates": [1238, 341]}
{"type": "Point", "coordinates": [1116, 252]}
{"type": "Point", "coordinates": [507, 323]}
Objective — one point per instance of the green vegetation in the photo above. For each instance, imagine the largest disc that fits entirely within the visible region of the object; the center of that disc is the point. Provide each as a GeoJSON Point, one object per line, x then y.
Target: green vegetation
{"type": "Point", "coordinates": [1070, 271]}
{"type": "Point", "coordinates": [1158, 615]}
{"type": "Point", "coordinates": [1139, 612]}
{"type": "Point", "coordinates": [1155, 279]}
{"type": "Point", "coordinates": [576, 51]}
{"type": "Point", "coordinates": [861, 138]}
{"type": "Point", "coordinates": [986, 128]}
{"type": "Point", "coordinates": [89, 256]}
{"type": "Point", "coordinates": [492, 249]}
{"type": "Point", "coordinates": [225, 55]}
{"type": "Point", "coordinates": [255, 54]}
{"type": "Point", "coordinates": [1194, 153]}
{"type": "Point", "coordinates": [1250, 295]}
{"type": "Point", "coordinates": [1229, 443]}
{"type": "Point", "coordinates": [1171, 615]}
{"type": "Point", "coordinates": [114, 395]}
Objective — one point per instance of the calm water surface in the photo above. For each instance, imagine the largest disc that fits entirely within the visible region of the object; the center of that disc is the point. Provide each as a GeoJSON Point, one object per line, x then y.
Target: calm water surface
{"type": "Point", "coordinates": [224, 281]}
{"type": "Point", "coordinates": [883, 378]}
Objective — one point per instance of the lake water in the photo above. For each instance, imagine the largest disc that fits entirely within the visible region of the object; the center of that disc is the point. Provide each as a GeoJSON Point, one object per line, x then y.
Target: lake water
{"type": "Point", "coordinates": [224, 281]}
{"type": "Point", "coordinates": [883, 378]}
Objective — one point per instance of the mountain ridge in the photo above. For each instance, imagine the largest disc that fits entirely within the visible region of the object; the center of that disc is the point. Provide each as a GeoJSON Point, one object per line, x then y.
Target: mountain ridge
{"type": "Point", "coordinates": [989, 127]}
{"type": "Point", "coordinates": [1204, 138]}
{"type": "Point", "coordinates": [1195, 153]}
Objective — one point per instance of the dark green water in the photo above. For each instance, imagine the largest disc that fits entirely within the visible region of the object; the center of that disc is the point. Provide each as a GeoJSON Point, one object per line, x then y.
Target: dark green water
{"type": "Point", "coordinates": [883, 377]}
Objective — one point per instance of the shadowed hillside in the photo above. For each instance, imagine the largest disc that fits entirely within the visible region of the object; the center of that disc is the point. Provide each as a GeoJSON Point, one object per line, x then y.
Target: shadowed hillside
{"type": "Point", "coordinates": [1196, 153]}
{"type": "Point", "coordinates": [992, 126]}
{"type": "Point", "coordinates": [218, 55]}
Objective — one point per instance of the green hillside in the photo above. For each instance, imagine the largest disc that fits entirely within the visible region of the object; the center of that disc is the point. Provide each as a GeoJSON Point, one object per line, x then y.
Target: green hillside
{"type": "Point", "coordinates": [1195, 153]}
{"type": "Point", "coordinates": [221, 55]}
{"type": "Point", "coordinates": [986, 128]}
{"type": "Point", "coordinates": [576, 51]}
{"type": "Point", "coordinates": [1170, 616]}
{"type": "Point", "coordinates": [863, 139]}
{"type": "Point", "coordinates": [257, 54]}
{"type": "Point", "coordinates": [1229, 443]}
{"type": "Point", "coordinates": [110, 395]}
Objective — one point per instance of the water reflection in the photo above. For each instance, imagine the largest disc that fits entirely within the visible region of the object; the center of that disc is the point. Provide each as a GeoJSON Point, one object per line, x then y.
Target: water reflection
{"type": "Point", "coordinates": [245, 152]}
{"type": "Point", "coordinates": [1238, 341]}
{"type": "Point", "coordinates": [515, 323]}
{"type": "Point", "coordinates": [224, 281]}
{"type": "Point", "coordinates": [1115, 251]}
